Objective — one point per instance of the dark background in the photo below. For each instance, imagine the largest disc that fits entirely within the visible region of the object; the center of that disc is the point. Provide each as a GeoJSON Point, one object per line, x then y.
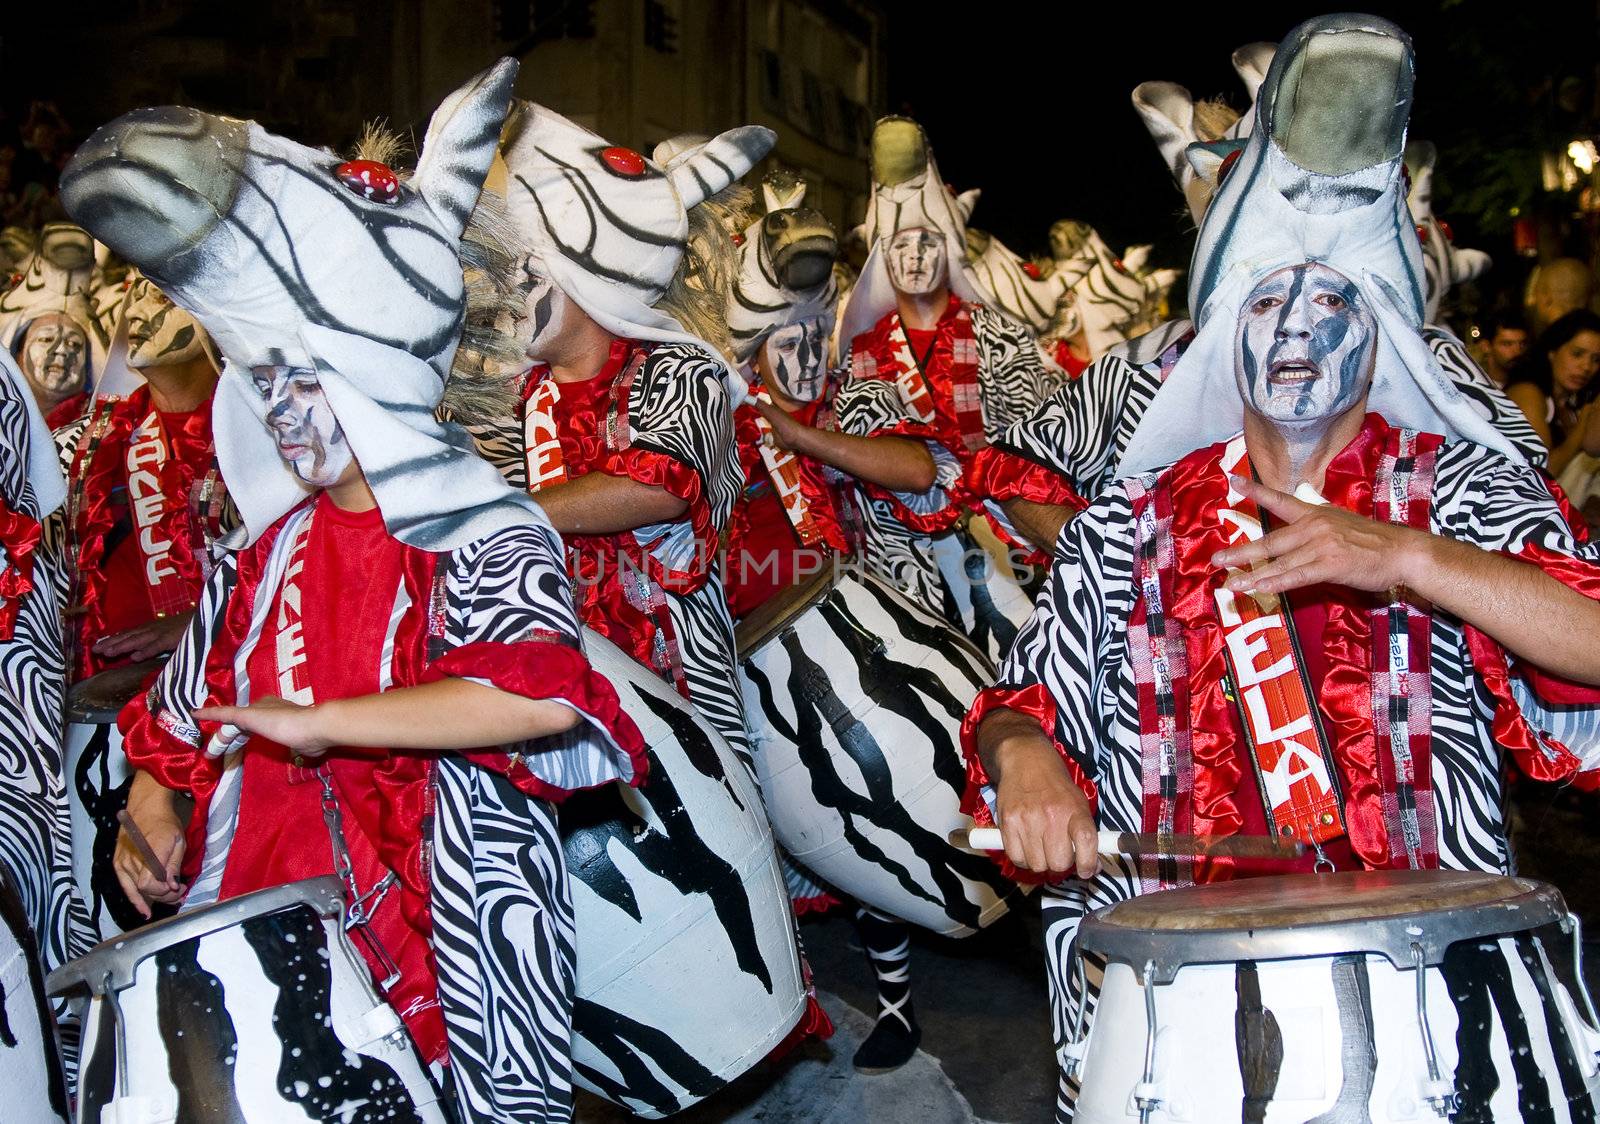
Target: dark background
{"type": "Point", "coordinates": [1030, 101]}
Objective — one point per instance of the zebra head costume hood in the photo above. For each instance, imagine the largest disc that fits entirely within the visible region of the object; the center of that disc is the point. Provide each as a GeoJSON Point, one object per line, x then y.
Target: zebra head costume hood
{"type": "Point", "coordinates": [1319, 180]}
{"type": "Point", "coordinates": [786, 281]}
{"type": "Point", "coordinates": [57, 276]}
{"type": "Point", "coordinates": [1446, 264]}
{"type": "Point", "coordinates": [292, 258]}
{"type": "Point", "coordinates": [611, 227]}
{"type": "Point", "coordinates": [907, 194]}
{"type": "Point", "coordinates": [1193, 139]}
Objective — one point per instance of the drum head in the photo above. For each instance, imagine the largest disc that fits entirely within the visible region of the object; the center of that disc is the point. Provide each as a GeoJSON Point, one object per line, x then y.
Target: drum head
{"type": "Point", "coordinates": [100, 698]}
{"type": "Point", "coordinates": [774, 615]}
{"type": "Point", "coordinates": [1299, 915]}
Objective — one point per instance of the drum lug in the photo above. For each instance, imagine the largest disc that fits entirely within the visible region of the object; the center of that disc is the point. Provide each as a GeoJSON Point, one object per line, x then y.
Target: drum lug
{"type": "Point", "coordinates": [138, 1110]}
{"type": "Point", "coordinates": [1078, 1045]}
{"type": "Point", "coordinates": [1147, 1093]}
{"type": "Point", "coordinates": [1436, 1090]}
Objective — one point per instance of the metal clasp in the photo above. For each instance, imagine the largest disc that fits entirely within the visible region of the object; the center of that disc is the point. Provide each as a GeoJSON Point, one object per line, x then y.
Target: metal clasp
{"type": "Point", "coordinates": [1438, 1092]}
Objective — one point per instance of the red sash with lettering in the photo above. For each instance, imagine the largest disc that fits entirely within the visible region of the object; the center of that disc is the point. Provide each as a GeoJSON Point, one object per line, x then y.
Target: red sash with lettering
{"type": "Point", "coordinates": [1293, 763]}
{"type": "Point", "coordinates": [783, 468]}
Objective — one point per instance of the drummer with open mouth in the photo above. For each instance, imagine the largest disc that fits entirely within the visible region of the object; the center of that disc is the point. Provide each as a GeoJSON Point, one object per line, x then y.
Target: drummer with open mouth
{"type": "Point", "coordinates": [1328, 599]}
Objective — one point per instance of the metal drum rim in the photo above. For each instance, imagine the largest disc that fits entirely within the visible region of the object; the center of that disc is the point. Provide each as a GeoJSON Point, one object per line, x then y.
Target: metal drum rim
{"type": "Point", "coordinates": [120, 957]}
{"type": "Point", "coordinates": [1166, 951]}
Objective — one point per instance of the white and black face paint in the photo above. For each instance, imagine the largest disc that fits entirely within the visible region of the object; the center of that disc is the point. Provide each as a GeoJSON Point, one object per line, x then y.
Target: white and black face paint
{"type": "Point", "coordinates": [795, 358]}
{"type": "Point", "coordinates": [1305, 345]}
{"type": "Point", "coordinates": [160, 334]}
{"type": "Point", "coordinates": [310, 439]}
{"type": "Point", "coordinates": [55, 357]}
{"type": "Point", "coordinates": [543, 319]}
{"type": "Point", "coordinates": [917, 260]}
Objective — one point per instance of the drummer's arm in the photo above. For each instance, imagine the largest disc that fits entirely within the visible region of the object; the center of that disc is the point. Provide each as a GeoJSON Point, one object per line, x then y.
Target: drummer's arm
{"type": "Point", "coordinates": [600, 504]}
{"type": "Point", "coordinates": [443, 716]}
{"type": "Point", "coordinates": [899, 464]}
{"type": "Point", "coordinates": [1046, 821]}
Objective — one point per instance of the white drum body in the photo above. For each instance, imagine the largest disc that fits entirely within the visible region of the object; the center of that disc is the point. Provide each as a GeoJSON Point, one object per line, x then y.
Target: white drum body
{"type": "Point", "coordinates": [855, 707]}
{"type": "Point", "coordinates": [688, 972]}
{"type": "Point", "coordinates": [97, 788]}
{"type": "Point", "coordinates": [31, 1078]}
{"type": "Point", "coordinates": [256, 1009]}
{"type": "Point", "coordinates": [976, 570]}
{"type": "Point", "coordinates": [1334, 1038]}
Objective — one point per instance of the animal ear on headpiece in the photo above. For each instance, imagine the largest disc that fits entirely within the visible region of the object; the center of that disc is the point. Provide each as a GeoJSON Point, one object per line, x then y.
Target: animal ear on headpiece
{"type": "Point", "coordinates": [1251, 63]}
{"type": "Point", "coordinates": [1167, 110]}
{"type": "Point", "coordinates": [460, 143]}
{"type": "Point", "coordinates": [722, 160]}
{"type": "Point", "coordinates": [967, 201]}
{"type": "Point", "coordinates": [782, 190]}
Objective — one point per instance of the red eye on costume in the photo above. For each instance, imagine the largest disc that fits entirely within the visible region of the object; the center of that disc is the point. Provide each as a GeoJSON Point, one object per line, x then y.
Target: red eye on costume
{"type": "Point", "coordinates": [1449, 235]}
{"type": "Point", "coordinates": [1031, 268]}
{"type": "Point", "coordinates": [370, 180]}
{"type": "Point", "coordinates": [623, 161]}
{"type": "Point", "coordinates": [1227, 164]}
{"type": "Point", "coordinates": [1422, 234]}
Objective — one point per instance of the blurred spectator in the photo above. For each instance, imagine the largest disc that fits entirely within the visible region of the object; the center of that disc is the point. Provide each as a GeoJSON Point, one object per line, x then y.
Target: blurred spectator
{"type": "Point", "coordinates": [1555, 288]}
{"type": "Point", "coordinates": [1554, 385]}
{"type": "Point", "coordinates": [1505, 341]}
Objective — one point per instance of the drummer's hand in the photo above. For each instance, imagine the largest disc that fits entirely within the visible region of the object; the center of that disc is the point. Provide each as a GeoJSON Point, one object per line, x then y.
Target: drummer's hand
{"type": "Point", "coordinates": [786, 432]}
{"type": "Point", "coordinates": [1319, 543]}
{"type": "Point", "coordinates": [291, 725]}
{"type": "Point", "coordinates": [161, 815]}
{"type": "Point", "coordinates": [1045, 819]}
{"type": "Point", "coordinates": [146, 641]}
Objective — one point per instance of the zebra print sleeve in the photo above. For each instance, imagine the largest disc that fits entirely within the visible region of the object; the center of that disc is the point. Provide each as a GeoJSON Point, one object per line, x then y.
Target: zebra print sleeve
{"type": "Point", "coordinates": [1485, 394]}
{"type": "Point", "coordinates": [1016, 377]}
{"type": "Point", "coordinates": [160, 733]}
{"type": "Point", "coordinates": [1069, 655]}
{"type": "Point", "coordinates": [870, 407]}
{"type": "Point", "coordinates": [1071, 431]}
{"type": "Point", "coordinates": [510, 624]}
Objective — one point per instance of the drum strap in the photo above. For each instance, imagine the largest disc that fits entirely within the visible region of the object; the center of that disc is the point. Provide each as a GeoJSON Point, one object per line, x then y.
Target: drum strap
{"type": "Point", "coordinates": [783, 468]}
{"type": "Point", "coordinates": [1277, 709]}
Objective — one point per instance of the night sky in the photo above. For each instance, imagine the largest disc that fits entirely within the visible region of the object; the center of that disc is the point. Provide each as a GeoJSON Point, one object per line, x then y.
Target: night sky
{"type": "Point", "coordinates": [1033, 106]}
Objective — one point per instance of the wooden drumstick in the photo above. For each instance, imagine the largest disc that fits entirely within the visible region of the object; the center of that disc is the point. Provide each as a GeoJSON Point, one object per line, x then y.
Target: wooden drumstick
{"type": "Point", "coordinates": [147, 853]}
{"type": "Point", "coordinates": [1144, 845]}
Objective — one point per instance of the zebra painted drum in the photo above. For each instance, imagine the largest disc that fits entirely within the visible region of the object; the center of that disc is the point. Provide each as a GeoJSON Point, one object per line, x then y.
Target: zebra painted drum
{"type": "Point", "coordinates": [1369, 997]}
{"type": "Point", "coordinates": [257, 1009]}
{"type": "Point", "coordinates": [855, 698]}
{"type": "Point", "coordinates": [34, 1086]}
{"type": "Point", "coordinates": [688, 971]}
{"type": "Point", "coordinates": [97, 789]}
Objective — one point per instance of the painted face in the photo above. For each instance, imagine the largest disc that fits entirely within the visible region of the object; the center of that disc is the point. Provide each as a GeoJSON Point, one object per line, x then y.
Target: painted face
{"type": "Point", "coordinates": [309, 437]}
{"type": "Point", "coordinates": [917, 260]}
{"type": "Point", "coordinates": [795, 358]}
{"type": "Point", "coordinates": [1573, 365]}
{"type": "Point", "coordinates": [55, 357]}
{"type": "Point", "coordinates": [1508, 345]}
{"type": "Point", "coordinates": [546, 311]}
{"type": "Point", "coordinates": [160, 334]}
{"type": "Point", "coordinates": [1305, 345]}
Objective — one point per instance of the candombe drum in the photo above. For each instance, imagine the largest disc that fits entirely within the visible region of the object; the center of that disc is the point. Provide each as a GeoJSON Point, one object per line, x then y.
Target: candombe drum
{"type": "Point", "coordinates": [97, 789]}
{"type": "Point", "coordinates": [31, 1078]}
{"type": "Point", "coordinates": [688, 973]}
{"type": "Point", "coordinates": [1378, 996]}
{"type": "Point", "coordinates": [256, 1009]}
{"type": "Point", "coordinates": [855, 698]}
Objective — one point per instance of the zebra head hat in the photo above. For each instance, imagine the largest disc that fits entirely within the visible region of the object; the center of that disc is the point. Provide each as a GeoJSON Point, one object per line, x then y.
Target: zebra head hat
{"type": "Point", "coordinates": [907, 193]}
{"type": "Point", "coordinates": [1319, 180]}
{"type": "Point", "coordinates": [292, 257]}
{"type": "Point", "coordinates": [609, 225]}
{"type": "Point", "coordinates": [57, 275]}
{"type": "Point", "coordinates": [786, 278]}
{"type": "Point", "coordinates": [1445, 264]}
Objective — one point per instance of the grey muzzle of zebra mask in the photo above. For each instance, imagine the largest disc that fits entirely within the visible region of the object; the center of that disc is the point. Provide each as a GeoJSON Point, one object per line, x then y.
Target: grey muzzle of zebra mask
{"type": "Point", "coordinates": [260, 236]}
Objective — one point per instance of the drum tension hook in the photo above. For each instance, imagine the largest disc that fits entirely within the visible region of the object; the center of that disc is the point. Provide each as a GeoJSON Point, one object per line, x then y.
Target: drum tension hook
{"type": "Point", "coordinates": [1147, 1095]}
{"type": "Point", "coordinates": [1078, 1044]}
{"type": "Point", "coordinates": [1438, 1092]}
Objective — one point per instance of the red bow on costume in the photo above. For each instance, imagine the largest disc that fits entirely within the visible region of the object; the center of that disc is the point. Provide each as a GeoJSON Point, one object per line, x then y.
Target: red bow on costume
{"type": "Point", "coordinates": [19, 535]}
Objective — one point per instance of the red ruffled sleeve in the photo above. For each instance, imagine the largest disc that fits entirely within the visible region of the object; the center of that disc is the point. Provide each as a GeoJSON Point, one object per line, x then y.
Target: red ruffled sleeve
{"type": "Point", "coordinates": [1539, 755]}
{"type": "Point", "coordinates": [1035, 702]}
{"type": "Point", "coordinates": [660, 470]}
{"type": "Point", "coordinates": [997, 474]}
{"type": "Point", "coordinates": [19, 536]}
{"type": "Point", "coordinates": [549, 668]}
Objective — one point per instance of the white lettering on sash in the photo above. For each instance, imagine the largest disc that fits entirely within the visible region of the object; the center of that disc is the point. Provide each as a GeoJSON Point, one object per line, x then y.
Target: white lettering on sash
{"type": "Point", "coordinates": [147, 452]}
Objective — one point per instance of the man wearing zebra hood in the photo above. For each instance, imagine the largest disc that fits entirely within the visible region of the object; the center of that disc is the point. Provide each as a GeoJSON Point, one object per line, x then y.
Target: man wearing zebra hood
{"type": "Point", "coordinates": [1035, 475]}
{"type": "Point", "coordinates": [960, 372]}
{"type": "Point", "coordinates": [627, 436]}
{"type": "Point", "coordinates": [384, 678]}
{"type": "Point", "coordinates": [1411, 534]}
